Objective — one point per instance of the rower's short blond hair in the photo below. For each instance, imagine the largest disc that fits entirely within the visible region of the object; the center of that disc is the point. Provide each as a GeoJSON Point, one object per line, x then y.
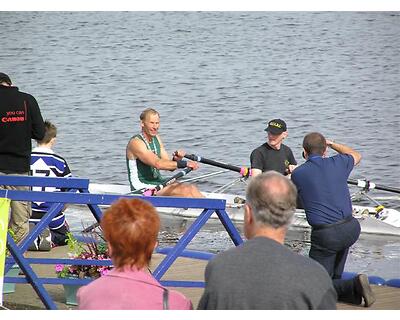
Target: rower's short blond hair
{"type": "Point", "coordinates": [147, 112]}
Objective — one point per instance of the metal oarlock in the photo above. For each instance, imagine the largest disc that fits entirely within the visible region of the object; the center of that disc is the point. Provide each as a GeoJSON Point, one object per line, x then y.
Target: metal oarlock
{"type": "Point", "coordinates": [368, 185]}
{"type": "Point", "coordinates": [365, 184]}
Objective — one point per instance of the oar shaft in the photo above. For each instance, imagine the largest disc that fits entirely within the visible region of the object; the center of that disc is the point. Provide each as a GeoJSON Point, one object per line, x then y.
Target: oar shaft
{"type": "Point", "coordinates": [176, 176]}
{"type": "Point", "coordinates": [213, 163]}
{"type": "Point", "coordinates": [170, 180]}
{"type": "Point", "coordinates": [371, 185]}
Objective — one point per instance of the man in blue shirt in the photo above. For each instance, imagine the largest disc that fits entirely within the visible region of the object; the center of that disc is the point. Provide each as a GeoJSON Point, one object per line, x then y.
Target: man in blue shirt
{"type": "Point", "coordinates": [322, 186]}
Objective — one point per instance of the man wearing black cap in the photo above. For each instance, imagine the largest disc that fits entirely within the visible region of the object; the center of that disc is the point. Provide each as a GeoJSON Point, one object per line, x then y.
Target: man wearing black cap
{"type": "Point", "coordinates": [20, 121]}
{"type": "Point", "coordinates": [273, 154]}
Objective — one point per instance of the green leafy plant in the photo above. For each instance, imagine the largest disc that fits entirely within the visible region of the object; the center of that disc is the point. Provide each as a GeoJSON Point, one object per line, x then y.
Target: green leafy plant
{"type": "Point", "coordinates": [12, 234]}
{"type": "Point", "coordinates": [75, 247]}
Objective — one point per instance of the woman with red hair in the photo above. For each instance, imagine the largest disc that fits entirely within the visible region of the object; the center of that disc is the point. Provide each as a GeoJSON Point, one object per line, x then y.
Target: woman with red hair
{"type": "Point", "coordinates": [130, 227]}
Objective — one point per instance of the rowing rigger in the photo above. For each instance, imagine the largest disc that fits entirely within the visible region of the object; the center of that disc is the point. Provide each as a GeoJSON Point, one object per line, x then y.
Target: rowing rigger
{"type": "Point", "coordinates": [153, 191]}
{"type": "Point", "coordinates": [379, 220]}
{"type": "Point", "coordinates": [368, 185]}
{"type": "Point", "coordinates": [147, 192]}
{"type": "Point", "coordinates": [246, 172]}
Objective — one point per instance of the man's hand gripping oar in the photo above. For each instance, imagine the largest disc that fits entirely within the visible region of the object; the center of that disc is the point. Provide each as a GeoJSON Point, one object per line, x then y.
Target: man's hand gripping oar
{"type": "Point", "coordinates": [244, 171]}
{"type": "Point", "coordinates": [170, 180]}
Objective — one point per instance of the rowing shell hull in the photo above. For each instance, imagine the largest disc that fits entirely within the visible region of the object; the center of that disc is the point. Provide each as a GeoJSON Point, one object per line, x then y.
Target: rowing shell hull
{"type": "Point", "coordinates": [387, 224]}
{"type": "Point", "coordinates": [369, 224]}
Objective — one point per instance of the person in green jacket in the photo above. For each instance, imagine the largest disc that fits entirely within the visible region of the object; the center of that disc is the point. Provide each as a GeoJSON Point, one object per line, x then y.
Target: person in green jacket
{"type": "Point", "coordinates": [146, 156]}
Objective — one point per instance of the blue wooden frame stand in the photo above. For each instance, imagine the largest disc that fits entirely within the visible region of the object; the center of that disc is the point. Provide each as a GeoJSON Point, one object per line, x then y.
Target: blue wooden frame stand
{"type": "Point", "coordinates": [78, 194]}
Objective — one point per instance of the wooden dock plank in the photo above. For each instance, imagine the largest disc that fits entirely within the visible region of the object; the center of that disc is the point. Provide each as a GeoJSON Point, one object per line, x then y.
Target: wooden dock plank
{"type": "Point", "coordinates": [388, 298]}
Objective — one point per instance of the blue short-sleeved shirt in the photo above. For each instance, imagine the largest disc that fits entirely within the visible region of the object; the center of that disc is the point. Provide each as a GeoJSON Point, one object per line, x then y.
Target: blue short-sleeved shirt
{"type": "Point", "coordinates": [322, 186]}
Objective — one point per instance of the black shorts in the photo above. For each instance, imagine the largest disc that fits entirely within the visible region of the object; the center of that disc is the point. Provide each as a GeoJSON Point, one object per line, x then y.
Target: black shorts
{"type": "Point", "coordinates": [59, 236]}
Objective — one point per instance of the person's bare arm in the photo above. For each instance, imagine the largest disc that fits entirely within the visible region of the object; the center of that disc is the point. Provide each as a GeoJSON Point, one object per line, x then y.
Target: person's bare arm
{"type": "Point", "coordinates": [178, 156]}
{"type": "Point", "coordinates": [343, 149]}
{"type": "Point", "coordinates": [255, 172]}
{"type": "Point", "coordinates": [137, 150]}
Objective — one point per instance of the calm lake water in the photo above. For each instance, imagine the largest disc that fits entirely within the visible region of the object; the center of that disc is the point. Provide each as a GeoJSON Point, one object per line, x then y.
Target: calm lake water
{"type": "Point", "coordinates": [216, 78]}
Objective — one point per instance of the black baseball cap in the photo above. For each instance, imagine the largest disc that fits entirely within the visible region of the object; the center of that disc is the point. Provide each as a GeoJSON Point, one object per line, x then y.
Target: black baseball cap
{"type": "Point", "coordinates": [276, 126]}
{"type": "Point", "coordinates": [5, 78]}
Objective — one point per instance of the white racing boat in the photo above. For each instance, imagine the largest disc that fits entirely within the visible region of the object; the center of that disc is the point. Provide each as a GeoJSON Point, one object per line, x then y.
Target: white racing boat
{"type": "Point", "coordinates": [385, 222]}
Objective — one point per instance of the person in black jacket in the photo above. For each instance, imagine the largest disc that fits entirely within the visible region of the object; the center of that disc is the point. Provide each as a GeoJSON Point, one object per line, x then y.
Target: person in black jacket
{"type": "Point", "coordinates": [273, 154]}
{"type": "Point", "coordinates": [20, 121]}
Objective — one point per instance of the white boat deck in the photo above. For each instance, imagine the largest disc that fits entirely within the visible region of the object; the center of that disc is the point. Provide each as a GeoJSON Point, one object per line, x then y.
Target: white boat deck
{"type": "Point", "coordinates": [387, 224]}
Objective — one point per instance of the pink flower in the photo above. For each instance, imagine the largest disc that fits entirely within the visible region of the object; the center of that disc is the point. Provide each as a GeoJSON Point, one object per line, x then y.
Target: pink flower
{"type": "Point", "coordinates": [59, 267]}
{"type": "Point", "coordinates": [86, 251]}
{"type": "Point", "coordinates": [104, 272]}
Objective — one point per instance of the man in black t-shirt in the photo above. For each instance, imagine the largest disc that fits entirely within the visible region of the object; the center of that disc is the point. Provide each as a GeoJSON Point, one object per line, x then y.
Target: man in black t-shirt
{"type": "Point", "coordinates": [273, 154]}
{"type": "Point", "coordinates": [20, 121]}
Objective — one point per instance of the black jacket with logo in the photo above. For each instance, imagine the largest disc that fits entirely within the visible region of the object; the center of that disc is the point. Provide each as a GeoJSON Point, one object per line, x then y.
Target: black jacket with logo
{"type": "Point", "coordinates": [20, 121]}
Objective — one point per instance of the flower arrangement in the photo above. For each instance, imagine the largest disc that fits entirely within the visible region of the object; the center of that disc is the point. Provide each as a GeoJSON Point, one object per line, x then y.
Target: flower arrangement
{"type": "Point", "coordinates": [90, 250]}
